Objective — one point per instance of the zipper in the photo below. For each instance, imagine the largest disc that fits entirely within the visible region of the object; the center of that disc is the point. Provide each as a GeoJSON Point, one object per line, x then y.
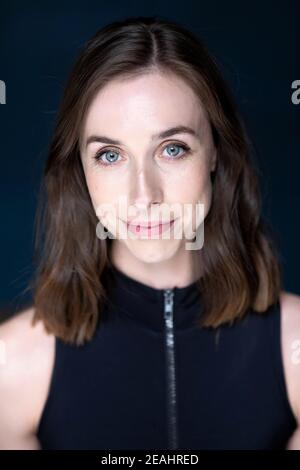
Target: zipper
{"type": "Point", "coordinates": [171, 373]}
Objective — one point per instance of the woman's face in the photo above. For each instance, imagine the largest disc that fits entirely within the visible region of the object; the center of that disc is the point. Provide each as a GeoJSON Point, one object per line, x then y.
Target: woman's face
{"type": "Point", "coordinates": [141, 176]}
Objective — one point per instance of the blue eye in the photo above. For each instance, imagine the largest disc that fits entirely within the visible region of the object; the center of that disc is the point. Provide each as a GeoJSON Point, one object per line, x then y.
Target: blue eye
{"type": "Point", "coordinates": [172, 146]}
{"type": "Point", "coordinates": [109, 153]}
{"type": "Point", "coordinates": [112, 159]}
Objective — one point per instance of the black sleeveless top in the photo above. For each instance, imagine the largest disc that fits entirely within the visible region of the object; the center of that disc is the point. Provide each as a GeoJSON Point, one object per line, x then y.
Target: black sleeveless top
{"type": "Point", "coordinates": [152, 379]}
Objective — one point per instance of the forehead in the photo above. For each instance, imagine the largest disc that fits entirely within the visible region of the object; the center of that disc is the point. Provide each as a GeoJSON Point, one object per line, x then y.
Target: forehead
{"type": "Point", "coordinates": [143, 105]}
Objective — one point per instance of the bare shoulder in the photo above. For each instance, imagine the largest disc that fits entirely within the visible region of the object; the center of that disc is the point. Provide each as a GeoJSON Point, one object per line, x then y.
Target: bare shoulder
{"type": "Point", "coordinates": [26, 362]}
{"type": "Point", "coordinates": [290, 337]}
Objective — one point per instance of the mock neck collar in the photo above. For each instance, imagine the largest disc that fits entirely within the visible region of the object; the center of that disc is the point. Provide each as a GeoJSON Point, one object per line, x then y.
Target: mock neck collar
{"type": "Point", "coordinates": [145, 304]}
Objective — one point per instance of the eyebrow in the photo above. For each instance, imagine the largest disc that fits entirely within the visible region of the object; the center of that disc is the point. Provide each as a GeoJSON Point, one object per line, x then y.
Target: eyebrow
{"type": "Point", "coordinates": [159, 135]}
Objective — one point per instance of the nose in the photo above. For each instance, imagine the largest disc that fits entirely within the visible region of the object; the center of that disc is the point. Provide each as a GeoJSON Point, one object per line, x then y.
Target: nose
{"type": "Point", "coordinates": [145, 188]}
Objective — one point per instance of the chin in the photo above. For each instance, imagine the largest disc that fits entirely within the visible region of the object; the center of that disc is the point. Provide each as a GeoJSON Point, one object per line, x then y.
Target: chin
{"type": "Point", "coordinates": [153, 251]}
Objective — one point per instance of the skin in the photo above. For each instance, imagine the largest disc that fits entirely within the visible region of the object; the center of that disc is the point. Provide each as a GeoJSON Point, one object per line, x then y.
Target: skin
{"type": "Point", "coordinates": [147, 175]}
{"type": "Point", "coordinates": [133, 111]}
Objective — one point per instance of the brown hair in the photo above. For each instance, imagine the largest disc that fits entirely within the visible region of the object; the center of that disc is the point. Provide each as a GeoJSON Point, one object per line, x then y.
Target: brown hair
{"type": "Point", "coordinates": [241, 267]}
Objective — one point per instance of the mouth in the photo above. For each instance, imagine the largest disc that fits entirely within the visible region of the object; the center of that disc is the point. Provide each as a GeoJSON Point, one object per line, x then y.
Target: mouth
{"type": "Point", "coordinates": [150, 229]}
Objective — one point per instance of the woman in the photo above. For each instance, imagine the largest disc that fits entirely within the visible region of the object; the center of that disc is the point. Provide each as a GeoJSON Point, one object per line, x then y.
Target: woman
{"type": "Point", "coordinates": [144, 334]}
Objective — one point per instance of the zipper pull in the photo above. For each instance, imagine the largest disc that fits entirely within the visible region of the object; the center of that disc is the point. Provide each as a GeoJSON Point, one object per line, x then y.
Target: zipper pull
{"type": "Point", "coordinates": [168, 311]}
{"type": "Point", "coordinates": [169, 294]}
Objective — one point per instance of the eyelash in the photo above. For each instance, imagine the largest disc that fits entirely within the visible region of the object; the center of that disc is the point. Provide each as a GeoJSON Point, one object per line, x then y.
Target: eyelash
{"type": "Point", "coordinates": [99, 154]}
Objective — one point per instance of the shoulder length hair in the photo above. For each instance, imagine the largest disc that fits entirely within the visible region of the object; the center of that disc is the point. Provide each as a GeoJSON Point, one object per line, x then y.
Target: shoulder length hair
{"type": "Point", "coordinates": [241, 268]}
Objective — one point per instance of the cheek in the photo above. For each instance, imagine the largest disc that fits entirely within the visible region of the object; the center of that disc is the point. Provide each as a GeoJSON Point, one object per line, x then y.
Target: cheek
{"type": "Point", "coordinates": [193, 193]}
{"type": "Point", "coordinates": [105, 194]}
{"type": "Point", "coordinates": [93, 188]}
{"type": "Point", "coordinates": [193, 185]}
{"type": "Point", "coordinates": [101, 188]}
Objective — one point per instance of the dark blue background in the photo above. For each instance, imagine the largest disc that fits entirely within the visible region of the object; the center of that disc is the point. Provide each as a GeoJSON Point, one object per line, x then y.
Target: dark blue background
{"type": "Point", "coordinates": [257, 46]}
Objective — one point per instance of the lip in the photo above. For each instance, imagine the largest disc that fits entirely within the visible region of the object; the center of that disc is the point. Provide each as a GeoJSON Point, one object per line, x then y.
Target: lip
{"type": "Point", "coordinates": [149, 225]}
{"type": "Point", "coordinates": [150, 229]}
